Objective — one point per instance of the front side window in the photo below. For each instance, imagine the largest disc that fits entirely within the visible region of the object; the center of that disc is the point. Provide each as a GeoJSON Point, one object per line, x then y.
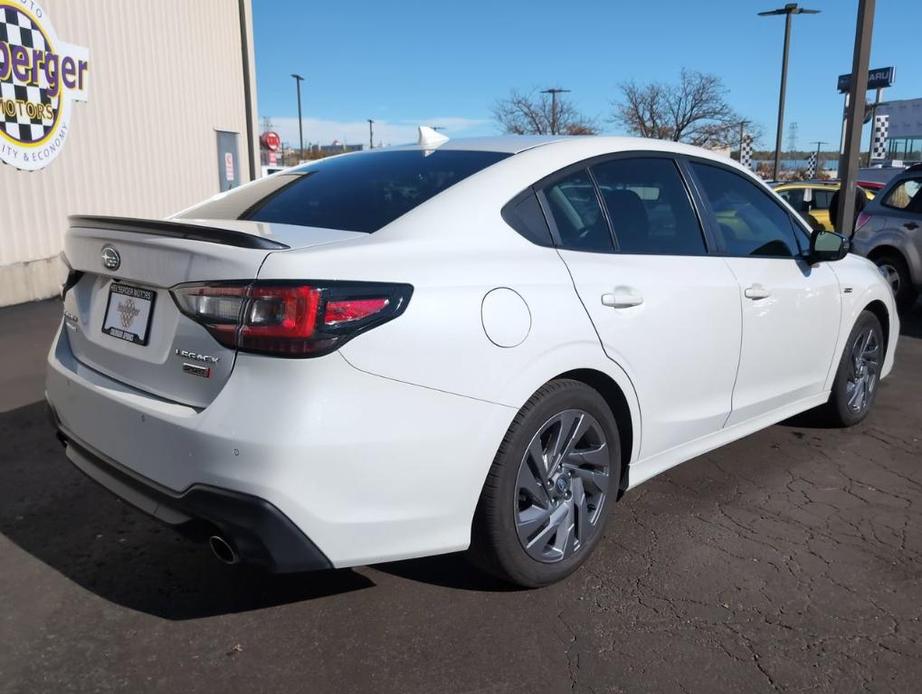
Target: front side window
{"type": "Point", "coordinates": [649, 207]}
{"type": "Point", "coordinates": [355, 192]}
{"type": "Point", "coordinates": [750, 222]}
{"type": "Point", "coordinates": [905, 195]}
{"type": "Point", "coordinates": [575, 209]}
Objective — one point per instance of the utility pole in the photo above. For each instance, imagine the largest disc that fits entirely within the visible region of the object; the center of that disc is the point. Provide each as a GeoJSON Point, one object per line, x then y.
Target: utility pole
{"type": "Point", "coordinates": [848, 164]}
{"type": "Point", "coordinates": [788, 11]}
{"type": "Point", "coordinates": [298, 80]}
{"type": "Point", "coordinates": [371, 134]}
{"type": "Point", "coordinates": [554, 91]}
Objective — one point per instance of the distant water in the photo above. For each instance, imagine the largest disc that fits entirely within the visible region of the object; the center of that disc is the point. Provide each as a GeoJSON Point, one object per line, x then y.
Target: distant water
{"type": "Point", "coordinates": [831, 165]}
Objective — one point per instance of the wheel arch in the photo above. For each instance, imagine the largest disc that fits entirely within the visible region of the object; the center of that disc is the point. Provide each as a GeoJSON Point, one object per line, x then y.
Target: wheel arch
{"type": "Point", "coordinates": [880, 311]}
{"type": "Point", "coordinates": [617, 402]}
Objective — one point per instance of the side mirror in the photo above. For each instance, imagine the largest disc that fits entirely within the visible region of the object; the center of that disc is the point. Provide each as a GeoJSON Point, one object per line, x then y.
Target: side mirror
{"type": "Point", "coordinates": [827, 245]}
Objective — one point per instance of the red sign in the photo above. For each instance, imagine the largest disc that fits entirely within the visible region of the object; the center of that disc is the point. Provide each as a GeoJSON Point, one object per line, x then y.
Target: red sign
{"type": "Point", "coordinates": [271, 141]}
{"type": "Point", "coordinates": [229, 166]}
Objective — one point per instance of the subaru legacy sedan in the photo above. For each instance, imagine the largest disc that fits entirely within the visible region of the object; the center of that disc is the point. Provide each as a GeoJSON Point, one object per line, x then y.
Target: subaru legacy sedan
{"type": "Point", "coordinates": [456, 345]}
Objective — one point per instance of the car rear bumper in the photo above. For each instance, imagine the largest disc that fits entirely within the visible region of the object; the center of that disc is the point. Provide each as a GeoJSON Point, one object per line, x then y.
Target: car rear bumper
{"type": "Point", "coordinates": [370, 469]}
{"type": "Point", "coordinates": [257, 531]}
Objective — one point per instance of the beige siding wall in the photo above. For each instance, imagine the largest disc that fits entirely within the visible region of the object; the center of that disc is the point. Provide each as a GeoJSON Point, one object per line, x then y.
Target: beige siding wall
{"type": "Point", "coordinates": [164, 76]}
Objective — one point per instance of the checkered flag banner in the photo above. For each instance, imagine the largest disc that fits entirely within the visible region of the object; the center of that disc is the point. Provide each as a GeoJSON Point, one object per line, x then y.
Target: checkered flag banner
{"type": "Point", "coordinates": [881, 133]}
{"type": "Point", "coordinates": [811, 165]}
{"type": "Point", "coordinates": [30, 124]}
{"type": "Point", "coordinates": [746, 151]}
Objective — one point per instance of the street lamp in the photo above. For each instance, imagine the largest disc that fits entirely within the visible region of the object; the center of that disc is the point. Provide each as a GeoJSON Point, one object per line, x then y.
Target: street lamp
{"type": "Point", "coordinates": [554, 92]}
{"type": "Point", "coordinates": [788, 10]}
{"type": "Point", "coordinates": [298, 80]}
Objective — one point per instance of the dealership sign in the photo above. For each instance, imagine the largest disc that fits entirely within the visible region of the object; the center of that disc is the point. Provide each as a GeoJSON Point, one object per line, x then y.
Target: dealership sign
{"type": "Point", "coordinates": [40, 78]}
{"type": "Point", "coordinates": [881, 78]}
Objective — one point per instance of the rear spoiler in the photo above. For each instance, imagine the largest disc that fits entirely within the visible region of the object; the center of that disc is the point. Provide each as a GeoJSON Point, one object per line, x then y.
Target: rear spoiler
{"type": "Point", "coordinates": [178, 230]}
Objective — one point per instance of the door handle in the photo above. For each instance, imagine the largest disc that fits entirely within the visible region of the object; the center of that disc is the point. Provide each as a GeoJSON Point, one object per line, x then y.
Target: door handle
{"type": "Point", "coordinates": [756, 291]}
{"type": "Point", "coordinates": [622, 297]}
{"type": "Point", "coordinates": [911, 225]}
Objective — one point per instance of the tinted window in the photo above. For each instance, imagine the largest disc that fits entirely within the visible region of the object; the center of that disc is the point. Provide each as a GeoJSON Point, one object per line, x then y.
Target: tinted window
{"type": "Point", "coordinates": [749, 221]}
{"type": "Point", "coordinates": [648, 207]}
{"type": "Point", "coordinates": [794, 197]}
{"type": "Point", "coordinates": [905, 195]}
{"type": "Point", "coordinates": [525, 216]}
{"type": "Point", "coordinates": [821, 199]}
{"type": "Point", "coordinates": [577, 215]}
{"type": "Point", "coordinates": [356, 192]}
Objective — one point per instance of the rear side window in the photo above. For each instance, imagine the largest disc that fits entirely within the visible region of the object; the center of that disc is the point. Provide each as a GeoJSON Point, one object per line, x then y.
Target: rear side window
{"type": "Point", "coordinates": [750, 222]}
{"type": "Point", "coordinates": [794, 197]}
{"type": "Point", "coordinates": [649, 207]}
{"type": "Point", "coordinates": [575, 209]}
{"type": "Point", "coordinates": [525, 216]}
{"type": "Point", "coordinates": [356, 192]}
{"type": "Point", "coordinates": [821, 199]}
{"type": "Point", "coordinates": [905, 195]}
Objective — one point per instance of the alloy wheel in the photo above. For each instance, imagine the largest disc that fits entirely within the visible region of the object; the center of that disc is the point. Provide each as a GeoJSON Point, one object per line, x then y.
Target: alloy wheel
{"type": "Point", "coordinates": [865, 370]}
{"type": "Point", "coordinates": [561, 486]}
{"type": "Point", "coordinates": [892, 275]}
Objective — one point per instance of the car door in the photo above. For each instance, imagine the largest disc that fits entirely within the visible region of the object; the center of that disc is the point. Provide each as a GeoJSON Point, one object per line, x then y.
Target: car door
{"type": "Point", "coordinates": [665, 310]}
{"type": "Point", "coordinates": [790, 308]}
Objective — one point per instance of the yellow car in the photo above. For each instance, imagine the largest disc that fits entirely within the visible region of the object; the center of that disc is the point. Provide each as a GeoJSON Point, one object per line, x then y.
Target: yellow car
{"type": "Point", "coordinates": [811, 199]}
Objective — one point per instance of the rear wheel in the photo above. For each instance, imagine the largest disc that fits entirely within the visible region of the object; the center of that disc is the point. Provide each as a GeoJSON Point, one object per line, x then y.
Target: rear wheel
{"type": "Point", "coordinates": [545, 500]}
{"type": "Point", "coordinates": [858, 376]}
{"type": "Point", "coordinates": [896, 272]}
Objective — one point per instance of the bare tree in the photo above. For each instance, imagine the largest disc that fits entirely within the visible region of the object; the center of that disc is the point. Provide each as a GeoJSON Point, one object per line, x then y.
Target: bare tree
{"type": "Point", "coordinates": [694, 110]}
{"type": "Point", "coordinates": [532, 114]}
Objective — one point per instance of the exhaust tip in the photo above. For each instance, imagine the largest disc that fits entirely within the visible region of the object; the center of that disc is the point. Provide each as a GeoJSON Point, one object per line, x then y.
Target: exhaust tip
{"type": "Point", "coordinates": [223, 550]}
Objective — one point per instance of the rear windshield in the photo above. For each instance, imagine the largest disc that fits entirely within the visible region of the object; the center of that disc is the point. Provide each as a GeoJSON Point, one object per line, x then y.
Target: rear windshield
{"type": "Point", "coordinates": [356, 192]}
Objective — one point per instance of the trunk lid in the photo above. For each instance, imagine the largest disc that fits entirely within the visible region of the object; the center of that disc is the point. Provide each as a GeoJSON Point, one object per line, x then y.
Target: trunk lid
{"type": "Point", "coordinates": [121, 319]}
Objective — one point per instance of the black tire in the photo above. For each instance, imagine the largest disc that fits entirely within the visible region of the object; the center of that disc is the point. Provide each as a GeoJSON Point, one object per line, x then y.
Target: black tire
{"type": "Point", "coordinates": [905, 293]}
{"type": "Point", "coordinates": [838, 409]}
{"type": "Point", "coordinates": [495, 544]}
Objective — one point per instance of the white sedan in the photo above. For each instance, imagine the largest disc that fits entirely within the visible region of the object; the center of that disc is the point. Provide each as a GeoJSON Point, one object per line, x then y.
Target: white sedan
{"type": "Point", "coordinates": [461, 344]}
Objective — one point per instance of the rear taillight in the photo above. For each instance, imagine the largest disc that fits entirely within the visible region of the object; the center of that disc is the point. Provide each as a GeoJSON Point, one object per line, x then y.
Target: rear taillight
{"type": "Point", "coordinates": [863, 219]}
{"type": "Point", "coordinates": [73, 276]}
{"type": "Point", "coordinates": [292, 319]}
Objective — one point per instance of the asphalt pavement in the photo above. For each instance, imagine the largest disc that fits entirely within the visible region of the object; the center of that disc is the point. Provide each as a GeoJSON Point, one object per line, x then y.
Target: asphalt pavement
{"type": "Point", "coordinates": [787, 561]}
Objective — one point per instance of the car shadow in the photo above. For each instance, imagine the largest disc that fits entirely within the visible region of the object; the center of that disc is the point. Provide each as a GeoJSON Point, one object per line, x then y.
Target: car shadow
{"type": "Point", "coordinates": [51, 511]}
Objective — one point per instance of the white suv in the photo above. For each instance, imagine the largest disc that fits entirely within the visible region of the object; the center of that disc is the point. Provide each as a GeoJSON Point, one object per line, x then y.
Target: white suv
{"type": "Point", "coordinates": [478, 343]}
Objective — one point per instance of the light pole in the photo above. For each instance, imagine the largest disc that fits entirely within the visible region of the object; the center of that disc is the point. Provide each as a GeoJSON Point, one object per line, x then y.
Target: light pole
{"type": "Point", "coordinates": [743, 124]}
{"type": "Point", "coordinates": [788, 11]}
{"type": "Point", "coordinates": [371, 134]}
{"type": "Point", "coordinates": [298, 80]}
{"type": "Point", "coordinates": [554, 91]}
{"type": "Point", "coordinates": [818, 143]}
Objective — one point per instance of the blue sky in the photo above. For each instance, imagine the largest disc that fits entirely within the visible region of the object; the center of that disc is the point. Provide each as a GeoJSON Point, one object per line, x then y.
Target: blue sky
{"type": "Point", "coordinates": [409, 63]}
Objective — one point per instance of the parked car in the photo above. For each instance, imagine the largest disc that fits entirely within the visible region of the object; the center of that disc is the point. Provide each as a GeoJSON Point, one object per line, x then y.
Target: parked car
{"type": "Point", "coordinates": [813, 199]}
{"type": "Point", "coordinates": [888, 232]}
{"type": "Point", "coordinates": [457, 345]}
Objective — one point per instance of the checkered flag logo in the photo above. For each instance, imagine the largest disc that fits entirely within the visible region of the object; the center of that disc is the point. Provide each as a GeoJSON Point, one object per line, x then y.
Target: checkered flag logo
{"type": "Point", "coordinates": [811, 165]}
{"type": "Point", "coordinates": [746, 151]}
{"type": "Point", "coordinates": [25, 115]}
{"type": "Point", "coordinates": [881, 134]}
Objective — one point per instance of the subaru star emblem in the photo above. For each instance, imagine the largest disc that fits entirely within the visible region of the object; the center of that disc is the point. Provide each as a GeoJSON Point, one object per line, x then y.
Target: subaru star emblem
{"type": "Point", "coordinates": [111, 260]}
